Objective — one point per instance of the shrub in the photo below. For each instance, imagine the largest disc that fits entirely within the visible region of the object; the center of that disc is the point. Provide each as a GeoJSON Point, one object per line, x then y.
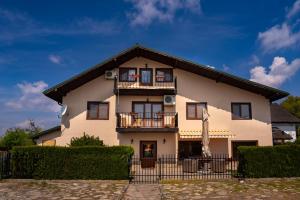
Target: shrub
{"type": "Point", "coordinates": [71, 162]}
{"type": "Point", "coordinates": [277, 161]}
{"type": "Point", "coordinates": [297, 141]}
{"type": "Point", "coordinates": [86, 140]}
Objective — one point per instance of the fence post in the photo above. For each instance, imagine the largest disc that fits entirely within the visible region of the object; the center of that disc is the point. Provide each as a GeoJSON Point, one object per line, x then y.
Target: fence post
{"type": "Point", "coordinates": [159, 164]}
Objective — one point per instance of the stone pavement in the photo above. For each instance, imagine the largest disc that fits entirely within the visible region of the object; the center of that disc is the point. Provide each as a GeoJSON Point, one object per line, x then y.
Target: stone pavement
{"type": "Point", "coordinates": [13, 189]}
{"type": "Point", "coordinates": [143, 191]}
{"type": "Point", "coordinates": [287, 189]}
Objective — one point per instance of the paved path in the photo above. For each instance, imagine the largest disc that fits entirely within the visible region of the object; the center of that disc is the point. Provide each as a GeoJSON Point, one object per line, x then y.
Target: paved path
{"type": "Point", "coordinates": [143, 191]}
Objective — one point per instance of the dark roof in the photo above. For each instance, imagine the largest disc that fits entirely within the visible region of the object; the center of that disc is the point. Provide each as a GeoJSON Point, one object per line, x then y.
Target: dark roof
{"type": "Point", "coordinates": [279, 134]}
{"type": "Point", "coordinates": [45, 132]}
{"type": "Point", "coordinates": [58, 91]}
{"type": "Point", "coordinates": [281, 115]}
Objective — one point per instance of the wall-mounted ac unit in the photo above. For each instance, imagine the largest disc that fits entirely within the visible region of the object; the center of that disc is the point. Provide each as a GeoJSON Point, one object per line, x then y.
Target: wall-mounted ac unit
{"type": "Point", "coordinates": [169, 100]}
{"type": "Point", "coordinates": [110, 74]}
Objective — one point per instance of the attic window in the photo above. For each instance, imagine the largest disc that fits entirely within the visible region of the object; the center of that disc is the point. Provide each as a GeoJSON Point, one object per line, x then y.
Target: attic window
{"type": "Point", "coordinates": [127, 75]}
{"type": "Point", "coordinates": [164, 75]}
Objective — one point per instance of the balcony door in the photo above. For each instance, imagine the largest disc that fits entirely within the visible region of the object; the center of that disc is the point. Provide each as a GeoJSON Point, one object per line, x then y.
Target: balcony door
{"type": "Point", "coordinates": [146, 76]}
{"type": "Point", "coordinates": [148, 114]}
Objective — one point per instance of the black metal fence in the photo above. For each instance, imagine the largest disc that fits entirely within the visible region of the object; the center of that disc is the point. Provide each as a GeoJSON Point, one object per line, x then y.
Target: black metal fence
{"type": "Point", "coordinates": [170, 167]}
{"type": "Point", "coordinates": [5, 170]}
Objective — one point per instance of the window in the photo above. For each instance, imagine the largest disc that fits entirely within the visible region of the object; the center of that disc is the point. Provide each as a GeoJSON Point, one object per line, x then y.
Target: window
{"type": "Point", "coordinates": [48, 142]}
{"type": "Point", "coordinates": [164, 75]}
{"type": "Point", "coordinates": [194, 110]}
{"type": "Point", "coordinates": [97, 110]}
{"type": "Point", "coordinates": [146, 76]}
{"type": "Point", "coordinates": [241, 111]}
{"type": "Point", "coordinates": [127, 75]}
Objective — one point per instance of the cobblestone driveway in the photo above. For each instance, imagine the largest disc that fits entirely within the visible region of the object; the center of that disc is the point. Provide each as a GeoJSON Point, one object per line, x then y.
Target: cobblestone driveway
{"type": "Point", "coordinates": [60, 189]}
{"type": "Point", "coordinates": [231, 189]}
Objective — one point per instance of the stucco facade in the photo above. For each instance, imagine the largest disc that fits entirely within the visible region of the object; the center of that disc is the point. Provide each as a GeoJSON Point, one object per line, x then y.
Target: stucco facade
{"type": "Point", "coordinates": [190, 88]}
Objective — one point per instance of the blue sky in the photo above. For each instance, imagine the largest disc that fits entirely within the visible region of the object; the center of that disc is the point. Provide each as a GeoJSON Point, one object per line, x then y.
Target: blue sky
{"type": "Point", "coordinates": [45, 42]}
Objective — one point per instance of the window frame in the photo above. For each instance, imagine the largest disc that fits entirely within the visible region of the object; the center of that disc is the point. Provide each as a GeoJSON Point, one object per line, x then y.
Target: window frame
{"type": "Point", "coordinates": [164, 69]}
{"type": "Point", "coordinates": [88, 117]}
{"type": "Point", "coordinates": [194, 103]}
{"type": "Point", "coordinates": [127, 69]}
{"type": "Point", "coordinates": [151, 76]}
{"type": "Point", "coordinates": [235, 117]}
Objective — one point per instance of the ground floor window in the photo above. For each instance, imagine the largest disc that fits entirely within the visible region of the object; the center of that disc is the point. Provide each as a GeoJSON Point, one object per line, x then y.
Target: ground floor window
{"type": "Point", "coordinates": [236, 144]}
{"type": "Point", "coordinates": [189, 149]}
{"type": "Point", "coordinates": [48, 142]}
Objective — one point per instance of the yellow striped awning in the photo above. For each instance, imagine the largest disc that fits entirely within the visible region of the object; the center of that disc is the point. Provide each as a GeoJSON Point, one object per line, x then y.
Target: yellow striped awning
{"type": "Point", "coordinates": [197, 134]}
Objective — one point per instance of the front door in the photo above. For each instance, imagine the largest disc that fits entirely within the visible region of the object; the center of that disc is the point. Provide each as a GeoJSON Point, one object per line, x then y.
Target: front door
{"type": "Point", "coordinates": [146, 76]}
{"type": "Point", "coordinates": [148, 153]}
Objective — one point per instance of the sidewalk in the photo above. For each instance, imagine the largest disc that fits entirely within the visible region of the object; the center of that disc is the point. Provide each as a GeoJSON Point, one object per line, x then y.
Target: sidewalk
{"type": "Point", "coordinates": [143, 191]}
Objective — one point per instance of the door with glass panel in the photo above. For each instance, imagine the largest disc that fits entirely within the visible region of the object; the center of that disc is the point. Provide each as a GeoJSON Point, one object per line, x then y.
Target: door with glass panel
{"type": "Point", "coordinates": [148, 114]}
{"type": "Point", "coordinates": [146, 76]}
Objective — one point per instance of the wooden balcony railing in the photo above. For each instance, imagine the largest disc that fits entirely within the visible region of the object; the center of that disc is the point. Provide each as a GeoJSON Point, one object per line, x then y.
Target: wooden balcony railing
{"type": "Point", "coordinates": [147, 120]}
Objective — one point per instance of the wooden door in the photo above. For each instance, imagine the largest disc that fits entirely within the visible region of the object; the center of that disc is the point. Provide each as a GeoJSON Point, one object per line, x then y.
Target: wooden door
{"type": "Point", "coordinates": [148, 153]}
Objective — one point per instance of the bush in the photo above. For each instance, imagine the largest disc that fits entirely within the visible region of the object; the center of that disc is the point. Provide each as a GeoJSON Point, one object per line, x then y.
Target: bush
{"type": "Point", "coordinates": [71, 162]}
{"type": "Point", "coordinates": [277, 161]}
{"type": "Point", "coordinates": [86, 140]}
{"type": "Point", "coordinates": [297, 141]}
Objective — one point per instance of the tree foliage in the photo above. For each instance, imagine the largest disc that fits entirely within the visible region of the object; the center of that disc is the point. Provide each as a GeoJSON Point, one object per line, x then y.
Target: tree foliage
{"type": "Point", "coordinates": [86, 140]}
{"type": "Point", "coordinates": [15, 137]}
{"type": "Point", "coordinates": [292, 104]}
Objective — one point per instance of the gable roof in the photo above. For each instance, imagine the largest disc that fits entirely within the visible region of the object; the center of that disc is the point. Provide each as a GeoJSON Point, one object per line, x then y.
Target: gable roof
{"type": "Point", "coordinates": [281, 115]}
{"type": "Point", "coordinates": [58, 91]}
{"type": "Point", "coordinates": [45, 132]}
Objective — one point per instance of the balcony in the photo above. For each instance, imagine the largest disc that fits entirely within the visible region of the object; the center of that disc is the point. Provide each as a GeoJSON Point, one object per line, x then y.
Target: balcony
{"type": "Point", "coordinates": [138, 88]}
{"type": "Point", "coordinates": [130, 122]}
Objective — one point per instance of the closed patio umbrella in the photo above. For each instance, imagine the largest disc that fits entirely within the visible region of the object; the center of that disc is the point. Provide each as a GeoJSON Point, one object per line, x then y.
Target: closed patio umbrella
{"type": "Point", "coordinates": [205, 137]}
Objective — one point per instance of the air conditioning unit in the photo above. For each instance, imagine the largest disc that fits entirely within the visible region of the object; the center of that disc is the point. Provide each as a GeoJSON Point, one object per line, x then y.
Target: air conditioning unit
{"type": "Point", "coordinates": [110, 74]}
{"type": "Point", "coordinates": [169, 100]}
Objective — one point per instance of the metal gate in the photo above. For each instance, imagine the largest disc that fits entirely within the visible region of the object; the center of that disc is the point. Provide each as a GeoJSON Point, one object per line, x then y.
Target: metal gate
{"type": "Point", "coordinates": [5, 170]}
{"type": "Point", "coordinates": [170, 167]}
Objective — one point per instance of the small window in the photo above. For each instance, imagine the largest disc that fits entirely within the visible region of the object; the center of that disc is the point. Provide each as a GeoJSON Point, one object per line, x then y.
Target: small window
{"type": "Point", "coordinates": [49, 143]}
{"type": "Point", "coordinates": [164, 75]}
{"type": "Point", "coordinates": [98, 110]}
{"type": "Point", "coordinates": [194, 110]}
{"type": "Point", "coordinates": [127, 75]}
{"type": "Point", "coordinates": [241, 111]}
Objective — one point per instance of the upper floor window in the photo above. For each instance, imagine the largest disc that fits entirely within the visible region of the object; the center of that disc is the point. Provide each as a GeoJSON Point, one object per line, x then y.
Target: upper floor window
{"type": "Point", "coordinates": [194, 110]}
{"type": "Point", "coordinates": [98, 110]}
{"type": "Point", "coordinates": [127, 74]}
{"type": "Point", "coordinates": [241, 111]}
{"type": "Point", "coordinates": [164, 75]}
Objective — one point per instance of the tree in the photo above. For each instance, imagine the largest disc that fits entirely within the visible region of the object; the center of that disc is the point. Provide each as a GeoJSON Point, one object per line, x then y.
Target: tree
{"type": "Point", "coordinates": [86, 140]}
{"type": "Point", "coordinates": [292, 104]}
{"type": "Point", "coordinates": [32, 128]}
{"type": "Point", "coordinates": [15, 137]}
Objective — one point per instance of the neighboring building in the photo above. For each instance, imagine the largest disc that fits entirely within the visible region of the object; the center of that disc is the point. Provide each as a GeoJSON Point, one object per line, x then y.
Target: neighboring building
{"type": "Point", "coordinates": [155, 105]}
{"type": "Point", "coordinates": [285, 121]}
{"type": "Point", "coordinates": [279, 136]}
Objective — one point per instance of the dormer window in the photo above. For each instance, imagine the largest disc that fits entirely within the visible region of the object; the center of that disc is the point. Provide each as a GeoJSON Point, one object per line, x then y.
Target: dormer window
{"type": "Point", "coordinates": [164, 75]}
{"type": "Point", "coordinates": [127, 75]}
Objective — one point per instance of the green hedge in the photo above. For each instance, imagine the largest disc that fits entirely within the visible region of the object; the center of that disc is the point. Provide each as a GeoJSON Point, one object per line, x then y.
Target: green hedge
{"type": "Point", "coordinates": [277, 161]}
{"type": "Point", "coordinates": [71, 162]}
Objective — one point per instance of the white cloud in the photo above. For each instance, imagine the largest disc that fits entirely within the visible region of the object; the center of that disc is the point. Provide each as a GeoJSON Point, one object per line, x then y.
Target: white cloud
{"type": "Point", "coordinates": [147, 11]}
{"type": "Point", "coordinates": [56, 59]}
{"type": "Point", "coordinates": [210, 66]}
{"type": "Point", "coordinates": [225, 68]}
{"type": "Point", "coordinates": [294, 10]}
{"type": "Point", "coordinates": [31, 98]}
{"type": "Point", "coordinates": [278, 72]}
{"type": "Point", "coordinates": [278, 37]}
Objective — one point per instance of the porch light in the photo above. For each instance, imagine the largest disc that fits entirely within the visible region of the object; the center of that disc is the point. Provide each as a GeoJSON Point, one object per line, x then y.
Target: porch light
{"type": "Point", "coordinates": [164, 140]}
{"type": "Point", "coordinates": [131, 141]}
